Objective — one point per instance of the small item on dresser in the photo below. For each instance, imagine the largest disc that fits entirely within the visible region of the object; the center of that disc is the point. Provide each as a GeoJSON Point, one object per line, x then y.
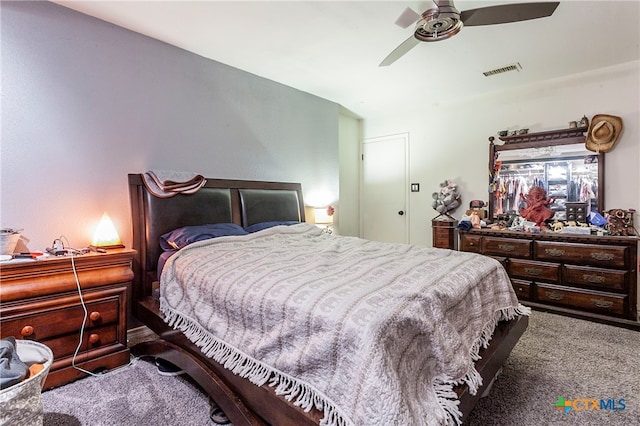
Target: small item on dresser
{"type": "Point", "coordinates": [596, 219]}
{"type": "Point", "coordinates": [9, 240]}
{"type": "Point", "coordinates": [576, 230]}
{"type": "Point", "coordinates": [584, 121]}
{"type": "Point", "coordinates": [475, 220]}
{"type": "Point", "coordinates": [537, 209]}
{"type": "Point", "coordinates": [620, 222]}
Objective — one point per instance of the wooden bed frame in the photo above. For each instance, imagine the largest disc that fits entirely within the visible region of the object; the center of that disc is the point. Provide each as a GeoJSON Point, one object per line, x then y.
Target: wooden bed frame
{"type": "Point", "coordinates": [243, 203]}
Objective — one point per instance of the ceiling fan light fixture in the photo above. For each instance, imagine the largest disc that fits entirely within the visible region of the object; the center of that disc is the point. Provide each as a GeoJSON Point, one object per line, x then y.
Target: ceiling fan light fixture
{"type": "Point", "coordinates": [438, 24]}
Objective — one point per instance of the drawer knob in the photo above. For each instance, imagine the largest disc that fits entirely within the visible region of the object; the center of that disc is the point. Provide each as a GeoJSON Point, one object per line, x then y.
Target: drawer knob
{"type": "Point", "coordinates": [94, 338]}
{"type": "Point", "coordinates": [27, 330]}
{"type": "Point", "coordinates": [95, 316]}
{"type": "Point", "coordinates": [554, 295]}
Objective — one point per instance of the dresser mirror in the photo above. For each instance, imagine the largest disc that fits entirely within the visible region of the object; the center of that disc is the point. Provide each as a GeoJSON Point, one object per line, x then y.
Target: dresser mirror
{"type": "Point", "coordinates": [557, 161]}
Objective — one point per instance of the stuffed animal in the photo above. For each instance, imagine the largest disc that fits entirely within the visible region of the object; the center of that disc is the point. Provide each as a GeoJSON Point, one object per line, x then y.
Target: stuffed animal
{"type": "Point", "coordinates": [447, 199]}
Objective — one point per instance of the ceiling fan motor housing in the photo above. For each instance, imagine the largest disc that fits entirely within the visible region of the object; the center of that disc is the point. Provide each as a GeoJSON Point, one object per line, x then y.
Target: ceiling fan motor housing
{"type": "Point", "coordinates": [438, 24]}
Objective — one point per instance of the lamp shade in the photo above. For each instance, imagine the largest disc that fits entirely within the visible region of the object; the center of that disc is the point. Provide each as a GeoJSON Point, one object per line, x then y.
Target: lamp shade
{"type": "Point", "coordinates": [106, 235]}
{"type": "Point", "coordinates": [321, 216]}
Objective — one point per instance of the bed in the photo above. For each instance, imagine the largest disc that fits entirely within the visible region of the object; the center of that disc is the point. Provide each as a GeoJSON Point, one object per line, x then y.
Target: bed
{"type": "Point", "coordinates": [261, 387]}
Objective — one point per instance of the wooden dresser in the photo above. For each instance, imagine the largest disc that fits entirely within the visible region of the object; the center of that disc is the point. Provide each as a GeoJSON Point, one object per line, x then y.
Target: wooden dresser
{"type": "Point", "coordinates": [40, 301]}
{"type": "Point", "coordinates": [593, 277]}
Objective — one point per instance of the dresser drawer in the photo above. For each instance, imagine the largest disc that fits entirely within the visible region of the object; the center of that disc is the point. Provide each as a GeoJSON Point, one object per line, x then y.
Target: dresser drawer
{"type": "Point", "coordinates": [583, 254]}
{"type": "Point", "coordinates": [45, 324]}
{"type": "Point", "coordinates": [522, 289]}
{"type": "Point", "coordinates": [64, 346]}
{"type": "Point", "coordinates": [604, 303]}
{"type": "Point", "coordinates": [508, 247]}
{"type": "Point", "coordinates": [534, 271]}
{"type": "Point", "coordinates": [606, 279]}
{"type": "Point", "coordinates": [471, 243]}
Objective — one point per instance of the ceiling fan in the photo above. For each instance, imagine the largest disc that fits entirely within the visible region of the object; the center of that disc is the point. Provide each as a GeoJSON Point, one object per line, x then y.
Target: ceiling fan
{"type": "Point", "coordinates": [443, 20]}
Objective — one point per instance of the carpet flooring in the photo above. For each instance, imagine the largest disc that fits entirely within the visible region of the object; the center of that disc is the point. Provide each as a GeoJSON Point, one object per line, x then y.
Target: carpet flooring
{"type": "Point", "coordinates": [556, 357]}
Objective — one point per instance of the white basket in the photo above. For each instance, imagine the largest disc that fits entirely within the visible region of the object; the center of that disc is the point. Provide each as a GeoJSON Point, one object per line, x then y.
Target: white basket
{"type": "Point", "coordinates": [21, 404]}
{"type": "Point", "coordinates": [8, 243]}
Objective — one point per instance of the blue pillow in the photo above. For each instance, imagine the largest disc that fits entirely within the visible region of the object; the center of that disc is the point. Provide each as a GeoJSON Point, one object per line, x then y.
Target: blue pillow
{"type": "Point", "coordinates": [182, 237]}
{"type": "Point", "coordinates": [264, 225]}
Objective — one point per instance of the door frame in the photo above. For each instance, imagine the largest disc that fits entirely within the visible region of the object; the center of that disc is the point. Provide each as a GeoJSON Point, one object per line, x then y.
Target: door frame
{"type": "Point", "coordinates": [405, 141]}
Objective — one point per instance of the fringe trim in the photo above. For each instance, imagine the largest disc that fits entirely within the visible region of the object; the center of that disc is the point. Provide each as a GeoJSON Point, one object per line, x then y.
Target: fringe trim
{"type": "Point", "coordinates": [302, 394]}
{"type": "Point", "coordinates": [443, 386]}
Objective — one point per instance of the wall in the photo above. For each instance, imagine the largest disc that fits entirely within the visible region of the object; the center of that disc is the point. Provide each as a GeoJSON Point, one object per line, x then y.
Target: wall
{"type": "Point", "coordinates": [348, 217]}
{"type": "Point", "coordinates": [451, 141]}
{"type": "Point", "coordinates": [85, 102]}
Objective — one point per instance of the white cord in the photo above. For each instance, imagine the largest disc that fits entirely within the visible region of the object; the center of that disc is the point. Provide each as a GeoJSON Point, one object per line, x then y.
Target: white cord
{"type": "Point", "coordinates": [84, 320]}
{"type": "Point", "coordinates": [132, 360]}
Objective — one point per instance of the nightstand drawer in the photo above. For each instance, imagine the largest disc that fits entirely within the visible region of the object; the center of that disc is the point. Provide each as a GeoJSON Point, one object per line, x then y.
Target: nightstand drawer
{"type": "Point", "coordinates": [45, 324]}
{"type": "Point", "coordinates": [64, 346]}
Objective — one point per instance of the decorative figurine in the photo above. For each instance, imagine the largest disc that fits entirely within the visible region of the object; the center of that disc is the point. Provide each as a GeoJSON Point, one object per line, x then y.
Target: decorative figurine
{"type": "Point", "coordinates": [584, 121]}
{"type": "Point", "coordinates": [537, 209]}
{"type": "Point", "coordinates": [447, 199]}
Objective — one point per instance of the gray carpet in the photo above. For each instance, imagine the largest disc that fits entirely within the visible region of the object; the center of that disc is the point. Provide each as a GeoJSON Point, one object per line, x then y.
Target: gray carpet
{"type": "Point", "coordinates": [557, 357]}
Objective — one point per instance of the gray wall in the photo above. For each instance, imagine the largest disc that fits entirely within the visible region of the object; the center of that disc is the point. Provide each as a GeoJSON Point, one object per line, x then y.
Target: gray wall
{"type": "Point", "coordinates": [85, 102]}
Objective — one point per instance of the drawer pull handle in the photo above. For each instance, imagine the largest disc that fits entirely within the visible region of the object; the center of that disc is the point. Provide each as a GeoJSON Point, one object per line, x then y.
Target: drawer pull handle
{"type": "Point", "coordinates": [600, 255]}
{"type": "Point", "coordinates": [27, 331]}
{"type": "Point", "coordinates": [506, 247]}
{"type": "Point", "coordinates": [554, 295]}
{"type": "Point", "coordinates": [594, 279]}
{"type": "Point", "coordinates": [94, 338]}
{"type": "Point", "coordinates": [554, 252]}
{"type": "Point", "coordinates": [95, 316]}
{"type": "Point", "coordinates": [533, 271]}
{"type": "Point", "coordinates": [601, 303]}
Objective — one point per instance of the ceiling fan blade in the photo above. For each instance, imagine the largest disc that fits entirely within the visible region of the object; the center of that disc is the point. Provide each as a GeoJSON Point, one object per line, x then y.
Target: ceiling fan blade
{"type": "Point", "coordinates": [408, 17]}
{"type": "Point", "coordinates": [399, 51]}
{"type": "Point", "coordinates": [505, 13]}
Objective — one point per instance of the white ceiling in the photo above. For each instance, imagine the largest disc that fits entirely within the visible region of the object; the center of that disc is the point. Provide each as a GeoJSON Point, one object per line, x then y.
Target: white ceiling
{"type": "Point", "coordinates": [332, 48]}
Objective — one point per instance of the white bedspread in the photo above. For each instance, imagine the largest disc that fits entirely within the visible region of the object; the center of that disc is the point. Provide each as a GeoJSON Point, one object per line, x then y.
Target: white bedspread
{"type": "Point", "coordinates": [371, 333]}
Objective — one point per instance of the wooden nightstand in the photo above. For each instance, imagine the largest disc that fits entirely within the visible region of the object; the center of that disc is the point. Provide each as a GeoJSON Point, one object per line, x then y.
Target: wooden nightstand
{"type": "Point", "coordinates": [445, 232]}
{"type": "Point", "coordinates": [40, 301]}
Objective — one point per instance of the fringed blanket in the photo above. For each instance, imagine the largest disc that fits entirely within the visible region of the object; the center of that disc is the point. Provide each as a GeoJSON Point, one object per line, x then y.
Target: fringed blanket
{"type": "Point", "coordinates": [370, 333]}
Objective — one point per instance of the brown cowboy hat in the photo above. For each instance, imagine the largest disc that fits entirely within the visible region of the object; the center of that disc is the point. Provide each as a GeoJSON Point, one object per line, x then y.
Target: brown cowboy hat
{"type": "Point", "coordinates": [603, 133]}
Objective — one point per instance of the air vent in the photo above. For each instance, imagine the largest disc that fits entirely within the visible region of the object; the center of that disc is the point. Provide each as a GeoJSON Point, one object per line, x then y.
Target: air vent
{"type": "Point", "coordinates": [512, 67]}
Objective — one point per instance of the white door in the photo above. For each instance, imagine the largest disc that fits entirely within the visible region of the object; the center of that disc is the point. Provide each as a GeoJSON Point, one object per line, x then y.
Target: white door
{"type": "Point", "coordinates": [385, 189]}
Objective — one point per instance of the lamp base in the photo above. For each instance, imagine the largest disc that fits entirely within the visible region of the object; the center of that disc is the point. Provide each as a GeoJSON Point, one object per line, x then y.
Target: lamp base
{"type": "Point", "coordinates": [109, 247]}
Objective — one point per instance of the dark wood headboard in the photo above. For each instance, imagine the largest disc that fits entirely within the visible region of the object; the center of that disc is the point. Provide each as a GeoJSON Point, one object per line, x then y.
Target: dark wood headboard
{"type": "Point", "coordinates": [219, 201]}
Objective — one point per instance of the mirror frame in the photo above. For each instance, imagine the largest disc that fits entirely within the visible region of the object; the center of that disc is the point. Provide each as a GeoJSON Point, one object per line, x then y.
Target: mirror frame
{"type": "Point", "coordinates": [541, 140]}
